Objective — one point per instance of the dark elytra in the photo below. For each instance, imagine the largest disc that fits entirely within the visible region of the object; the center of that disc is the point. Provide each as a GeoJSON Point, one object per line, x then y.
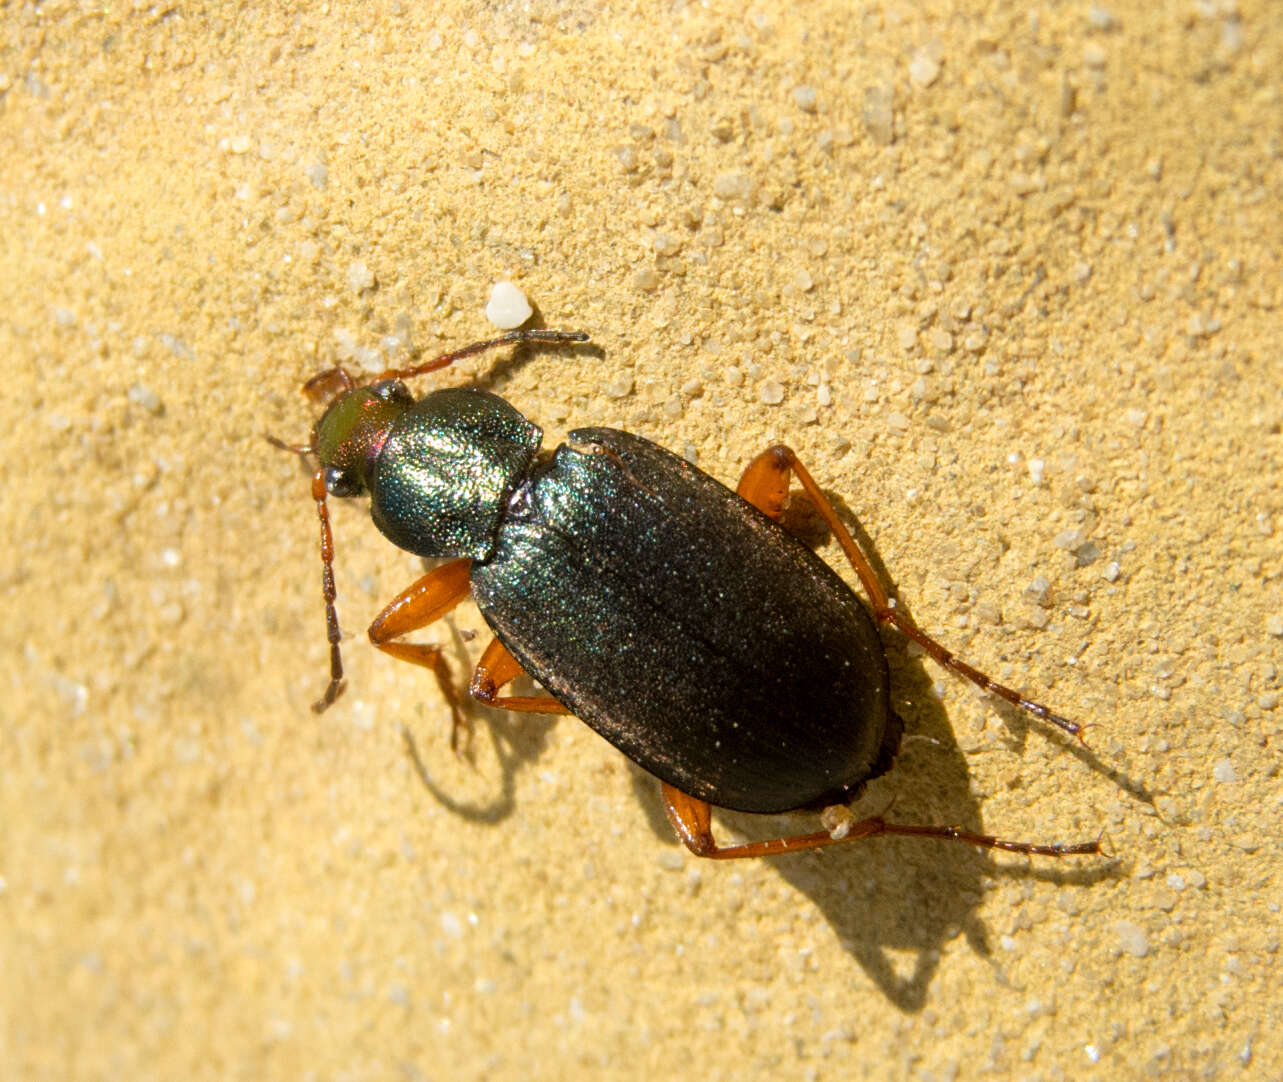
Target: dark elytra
{"type": "Point", "coordinates": [674, 616]}
{"type": "Point", "coordinates": [636, 588]}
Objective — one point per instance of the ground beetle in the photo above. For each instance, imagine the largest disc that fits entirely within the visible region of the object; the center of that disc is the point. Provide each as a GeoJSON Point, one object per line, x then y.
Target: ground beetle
{"type": "Point", "coordinates": [674, 616]}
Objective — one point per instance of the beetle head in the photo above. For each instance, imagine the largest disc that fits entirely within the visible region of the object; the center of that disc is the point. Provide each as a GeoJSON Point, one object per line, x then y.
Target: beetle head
{"type": "Point", "coordinates": [351, 433]}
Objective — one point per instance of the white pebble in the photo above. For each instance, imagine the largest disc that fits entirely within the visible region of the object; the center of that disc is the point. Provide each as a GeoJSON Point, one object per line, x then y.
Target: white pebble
{"type": "Point", "coordinates": [804, 98]}
{"type": "Point", "coordinates": [771, 393]}
{"type": "Point", "coordinates": [621, 387]}
{"type": "Point", "coordinates": [1224, 771]}
{"type": "Point", "coordinates": [142, 395]}
{"type": "Point", "coordinates": [359, 277]}
{"type": "Point", "coordinates": [1100, 18]}
{"type": "Point", "coordinates": [1132, 938]}
{"type": "Point", "coordinates": [923, 71]}
{"type": "Point", "coordinates": [734, 187]}
{"type": "Point", "coordinates": [507, 308]}
{"type": "Point", "coordinates": [665, 244]}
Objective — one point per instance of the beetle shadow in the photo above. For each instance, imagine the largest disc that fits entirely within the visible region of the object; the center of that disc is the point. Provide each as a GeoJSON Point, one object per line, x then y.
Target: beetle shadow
{"type": "Point", "coordinates": [895, 902]}
{"type": "Point", "coordinates": [1016, 722]}
{"type": "Point", "coordinates": [516, 740]}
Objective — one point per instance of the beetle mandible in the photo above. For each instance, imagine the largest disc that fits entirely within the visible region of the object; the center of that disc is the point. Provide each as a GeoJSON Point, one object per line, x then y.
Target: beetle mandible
{"type": "Point", "coordinates": [674, 616]}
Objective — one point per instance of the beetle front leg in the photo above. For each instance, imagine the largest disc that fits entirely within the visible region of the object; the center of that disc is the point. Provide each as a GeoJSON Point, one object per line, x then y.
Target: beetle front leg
{"type": "Point", "coordinates": [765, 485]}
{"type": "Point", "coordinates": [693, 821]}
{"type": "Point", "coordinates": [429, 599]}
{"type": "Point", "coordinates": [498, 667]}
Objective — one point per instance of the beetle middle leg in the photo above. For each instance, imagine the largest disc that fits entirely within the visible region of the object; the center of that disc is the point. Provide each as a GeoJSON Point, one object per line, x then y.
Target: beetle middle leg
{"type": "Point", "coordinates": [419, 605]}
{"type": "Point", "coordinates": [765, 485]}
{"type": "Point", "coordinates": [693, 821]}
{"type": "Point", "coordinates": [498, 667]}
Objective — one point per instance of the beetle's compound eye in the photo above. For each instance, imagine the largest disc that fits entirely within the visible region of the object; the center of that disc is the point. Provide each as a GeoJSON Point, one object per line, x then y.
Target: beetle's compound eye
{"type": "Point", "coordinates": [390, 389]}
{"type": "Point", "coordinates": [341, 482]}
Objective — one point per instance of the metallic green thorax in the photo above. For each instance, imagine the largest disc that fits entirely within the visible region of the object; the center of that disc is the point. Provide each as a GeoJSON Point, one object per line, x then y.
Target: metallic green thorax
{"type": "Point", "coordinates": [445, 470]}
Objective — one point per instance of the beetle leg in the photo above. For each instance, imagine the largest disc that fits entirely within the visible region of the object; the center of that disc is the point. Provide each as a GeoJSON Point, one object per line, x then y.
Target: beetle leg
{"type": "Point", "coordinates": [498, 667]}
{"type": "Point", "coordinates": [692, 819]}
{"type": "Point", "coordinates": [429, 599]}
{"type": "Point", "coordinates": [765, 484]}
{"type": "Point", "coordinates": [328, 592]}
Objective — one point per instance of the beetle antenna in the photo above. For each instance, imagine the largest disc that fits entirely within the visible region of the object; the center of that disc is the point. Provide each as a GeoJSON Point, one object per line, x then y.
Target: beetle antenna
{"type": "Point", "coordinates": [292, 448]}
{"type": "Point", "coordinates": [447, 359]}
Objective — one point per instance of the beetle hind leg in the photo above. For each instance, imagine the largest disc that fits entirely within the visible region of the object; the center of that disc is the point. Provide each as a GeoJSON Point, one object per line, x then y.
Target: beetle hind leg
{"type": "Point", "coordinates": [498, 667]}
{"type": "Point", "coordinates": [765, 485]}
{"type": "Point", "coordinates": [693, 821]}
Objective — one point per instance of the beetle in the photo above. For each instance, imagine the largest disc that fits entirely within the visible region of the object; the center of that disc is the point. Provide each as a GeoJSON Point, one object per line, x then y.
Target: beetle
{"type": "Point", "coordinates": [674, 616]}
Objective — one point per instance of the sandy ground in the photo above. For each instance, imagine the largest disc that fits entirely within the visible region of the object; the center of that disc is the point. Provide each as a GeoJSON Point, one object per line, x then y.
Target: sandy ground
{"type": "Point", "coordinates": [1008, 279]}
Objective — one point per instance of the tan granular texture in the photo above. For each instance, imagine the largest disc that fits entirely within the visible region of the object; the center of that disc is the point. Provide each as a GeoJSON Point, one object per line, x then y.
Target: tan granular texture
{"type": "Point", "coordinates": [1007, 278]}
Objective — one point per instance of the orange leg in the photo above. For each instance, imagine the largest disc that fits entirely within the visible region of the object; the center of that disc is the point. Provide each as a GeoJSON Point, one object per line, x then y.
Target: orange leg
{"type": "Point", "coordinates": [429, 599]}
{"type": "Point", "coordinates": [496, 668]}
{"type": "Point", "coordinates": [765, 485]}
{"type": "Point", "coordinates": [692, 819]}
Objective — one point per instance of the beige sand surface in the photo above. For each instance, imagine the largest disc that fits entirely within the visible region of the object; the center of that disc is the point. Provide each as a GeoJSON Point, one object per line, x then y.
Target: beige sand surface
{"type": "Point", "coordinates": [1007, 277]}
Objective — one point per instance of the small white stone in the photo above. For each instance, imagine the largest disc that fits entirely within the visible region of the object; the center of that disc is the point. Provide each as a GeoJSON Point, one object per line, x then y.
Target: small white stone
{"type": "Point", "coordinates": [1132, 938]}
{"type": "Point", "coordinates": [771, 393]}
{"type": "Point", "coordinates": [1224, 771]}
{"type": "Point", "coordinates": [733, 187]}
{"type": "Point", "coordinates": [359, 277]}
{"type": "Point", "coordinates": [1100, 17]}
{"type": "Point", "coordinates": [804, 98]}
{"type": "Point", "coordinates": [665, 244]}
{"type": "Point", "coordinates": [923, 70]}
{"type": "Point", "coordinates": [507, 308]}
{"type": "Point", "coordinates": [621, 387]}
